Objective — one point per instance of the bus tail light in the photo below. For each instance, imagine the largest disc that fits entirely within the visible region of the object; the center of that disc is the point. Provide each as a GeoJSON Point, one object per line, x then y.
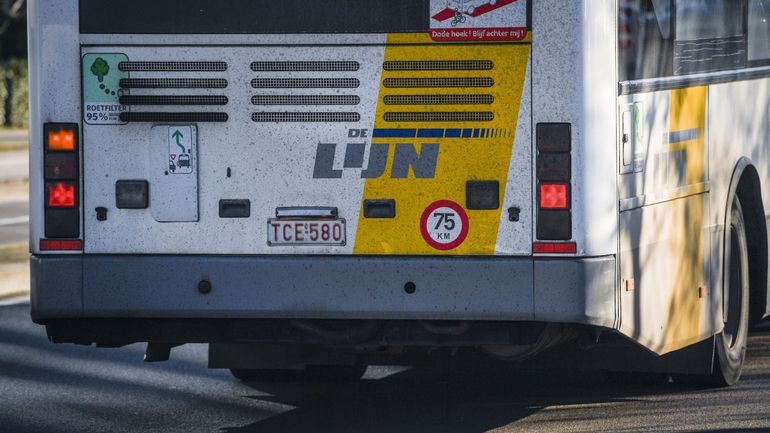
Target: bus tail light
{"type": "Point", "coordinates": [60, 139]}
{"type": "Point", "coordinates": [62, 186]}
{"type": "Point", "coordinates": [553, 196]}
{"type": "Point", "coordinates": [554, 177]}
{"type": "Point", "coordinates": [60, 194]}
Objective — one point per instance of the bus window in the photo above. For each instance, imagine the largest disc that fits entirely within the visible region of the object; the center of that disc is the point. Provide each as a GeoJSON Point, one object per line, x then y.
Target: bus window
{"type": "Point", "coordinates": [759, 31]}
{"type": "Point", "coordinates": [710, 36]}
{"type": "Point", "coordinates": [646, 40]}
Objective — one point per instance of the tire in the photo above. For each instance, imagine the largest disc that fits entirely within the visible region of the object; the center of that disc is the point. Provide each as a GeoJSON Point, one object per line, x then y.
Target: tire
{"type": "Point", "coordinates": [263, 375]}
{"type": "Point", "coordinates": [730, 350]}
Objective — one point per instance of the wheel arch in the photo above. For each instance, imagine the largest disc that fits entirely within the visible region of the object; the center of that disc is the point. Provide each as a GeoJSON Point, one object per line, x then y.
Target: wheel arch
{"type": "Point", "coordinates": [746, 184]}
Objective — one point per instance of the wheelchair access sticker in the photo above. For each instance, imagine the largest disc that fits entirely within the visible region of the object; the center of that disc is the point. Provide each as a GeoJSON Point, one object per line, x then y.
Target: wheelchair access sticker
{"type": "Point", "coordinates": [444, 225]}
{"type": "Point", "coordinates": [478, 20]}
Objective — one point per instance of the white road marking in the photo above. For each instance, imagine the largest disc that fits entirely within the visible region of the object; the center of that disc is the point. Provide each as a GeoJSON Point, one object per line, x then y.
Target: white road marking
{"type": "Point", "coordinates": [17, 300]}
{"type": "Point", "coordinates": [13, 221]}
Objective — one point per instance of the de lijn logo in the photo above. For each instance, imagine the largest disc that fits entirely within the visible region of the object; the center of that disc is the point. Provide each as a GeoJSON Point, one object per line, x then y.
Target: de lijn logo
{"type": "Point", "coordinates": [422, 159]}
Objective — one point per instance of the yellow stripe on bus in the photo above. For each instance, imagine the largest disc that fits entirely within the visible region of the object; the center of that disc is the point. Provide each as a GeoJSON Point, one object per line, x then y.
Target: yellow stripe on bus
{"type": "Point", "coordinates": [459, 159]}
{"type": "Point", "coordinates": [687, 136]}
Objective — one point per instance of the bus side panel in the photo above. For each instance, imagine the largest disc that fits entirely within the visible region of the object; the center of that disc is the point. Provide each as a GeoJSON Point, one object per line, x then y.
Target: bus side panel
{"type": "Point", "coordinates": [739, 127]}
{"type": "Point", "coordinates": [665, 243]}
{"type": "Point", "coordinates": [54, 89]}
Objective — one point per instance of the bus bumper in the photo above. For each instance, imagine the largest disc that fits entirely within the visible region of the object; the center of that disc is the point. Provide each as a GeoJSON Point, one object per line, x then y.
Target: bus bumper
{"type": "Point", "coordinates": [574, 290]}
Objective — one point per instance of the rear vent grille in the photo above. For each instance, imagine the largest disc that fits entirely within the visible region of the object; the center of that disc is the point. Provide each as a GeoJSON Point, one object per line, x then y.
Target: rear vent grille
{"type": "Point", "coordinates": [439, 65]}
{"type": "Point", "coordinates": [173, 117]}
{"type": "Point", "coordinates": [438, 99]}
{"type": "Point", "coordinates": [164, 105]}
{"type": "Point", "coordinates": [305, 100]}
{"type": "Point", "coordinates": [440, 116]}
{"type": "Point", "coordinates": [173, 100]}
{"type": "Point", "coordinates": [304, 75]}
{"type": "Point", "coordinates": [329, 66]}
{"type": "Point", "coordinates": [304, 117]}
{"type": "Point", "coordinates": [395, 83]}
{"type": "Point", "coordinates": [305, 83]}
{"type": "Point", "coordinates": [173, 83]}
{"type": "Point", "coordinates": [173, 66]}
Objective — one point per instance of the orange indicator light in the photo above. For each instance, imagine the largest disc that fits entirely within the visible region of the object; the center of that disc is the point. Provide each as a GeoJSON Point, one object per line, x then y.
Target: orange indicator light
{"type": "Point", "coordinates": [61, 140]}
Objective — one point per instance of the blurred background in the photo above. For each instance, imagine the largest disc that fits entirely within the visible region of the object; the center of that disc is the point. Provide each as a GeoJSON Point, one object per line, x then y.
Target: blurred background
{"type": "Point", "coordinates": [14, 207]}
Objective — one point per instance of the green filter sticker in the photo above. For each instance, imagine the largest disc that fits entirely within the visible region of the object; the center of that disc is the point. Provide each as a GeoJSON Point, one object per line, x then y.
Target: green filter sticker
{"type": "Point", "coordinates": [101, 88]}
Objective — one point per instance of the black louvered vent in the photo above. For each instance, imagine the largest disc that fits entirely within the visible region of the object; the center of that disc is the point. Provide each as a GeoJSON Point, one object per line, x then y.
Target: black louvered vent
{"type": "Point", "coordinates": [440, 116]}
{"type": "Point", "coordinates": [438, 82]}
{"type": "Point", "coordinates": [457, 99]}
{"type": "Point", "coordinates": [173, 66]}
{"type": "Point", "coordinates": [438, 65]}
{"type": "Point", "coordinates": [305, 83]}
{"type": "Point", "coordinates": [305, 117]}
{"type": "Point", "coordinates": [313, 77]}
{"type": "Point", "coordinates": [438, 99]}
{"type": "Point", "coordinates": [305, 100]}
{"type": "Point", "coordinates": [322, 66]}
{"type": "Point", "coordinates": [173, 83]}
{"type": "Point", "coordinates": [173, 100]}
{"type": "Point", "coordinates": [149, 77]}
{"type": "Point", "coordinates": [173, 117]}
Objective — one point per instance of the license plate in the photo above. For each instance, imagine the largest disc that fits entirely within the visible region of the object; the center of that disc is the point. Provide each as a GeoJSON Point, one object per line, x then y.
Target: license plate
{"type": "Point", "coordinates": [305, 232]}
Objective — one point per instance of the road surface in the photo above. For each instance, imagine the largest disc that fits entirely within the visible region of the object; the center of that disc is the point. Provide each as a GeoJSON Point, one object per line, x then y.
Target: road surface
{"type": "Point", "coordinates": [67, 388]}
{"type": "Point", "coordinates": [14, 222]}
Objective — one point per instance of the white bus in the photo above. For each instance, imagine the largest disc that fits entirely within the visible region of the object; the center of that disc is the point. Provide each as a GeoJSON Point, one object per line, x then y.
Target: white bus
{"type": "Point", "coordinates": [326, 185]}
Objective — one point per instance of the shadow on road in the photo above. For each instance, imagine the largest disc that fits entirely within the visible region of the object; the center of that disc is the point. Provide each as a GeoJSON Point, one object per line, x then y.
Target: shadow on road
{"type": "Point", "coordinates": [61, 388]}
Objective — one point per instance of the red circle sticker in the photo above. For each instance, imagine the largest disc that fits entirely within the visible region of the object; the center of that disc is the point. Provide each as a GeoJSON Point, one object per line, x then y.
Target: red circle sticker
{"type": "Point", "coordinates": [444, 225]}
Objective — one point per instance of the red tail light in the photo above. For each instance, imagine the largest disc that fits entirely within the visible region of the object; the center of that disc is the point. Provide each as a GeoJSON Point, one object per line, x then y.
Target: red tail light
{"type": "Point", "coordinates": [62, 186]}
{"type": "Point", "coordinates": [54, 245]}
{"type": "Point", "coordinates": [61, 194]}
{"type": "Point", "coordinates": [554, 177]}
{"type": "Point", "coordinates": [554, 196]}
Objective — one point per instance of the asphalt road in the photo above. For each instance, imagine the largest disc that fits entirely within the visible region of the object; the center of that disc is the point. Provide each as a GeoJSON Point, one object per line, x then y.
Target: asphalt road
{"type": "Point", "coordinates": [14, 222]}
{"type": "Point", "coordinates": [68, 388]}
{"type": "Point", "coordinates": [14, 165]}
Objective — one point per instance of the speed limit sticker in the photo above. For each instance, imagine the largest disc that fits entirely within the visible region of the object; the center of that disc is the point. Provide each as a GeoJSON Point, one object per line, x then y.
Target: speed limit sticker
{"type": "Point", "coordinates": [444, 225]}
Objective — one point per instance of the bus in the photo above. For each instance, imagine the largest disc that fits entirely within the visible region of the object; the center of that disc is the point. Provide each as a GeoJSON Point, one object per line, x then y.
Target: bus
{"type": "Point", "coordinates": [322, 186]}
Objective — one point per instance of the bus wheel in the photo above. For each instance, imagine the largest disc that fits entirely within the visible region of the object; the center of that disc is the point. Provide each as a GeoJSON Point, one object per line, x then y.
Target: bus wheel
{"type": "Point", "coordinates": [731, 342]}
{"type": "Point", "coordinates": [263, 375]}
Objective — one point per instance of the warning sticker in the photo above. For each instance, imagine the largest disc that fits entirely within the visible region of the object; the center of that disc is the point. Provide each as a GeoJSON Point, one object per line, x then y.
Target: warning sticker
{"type": "Point", "coordinates": [180, 150]}
{"type": "Point", "coordinates": [444, 225]}
{"type": "Point", "coordinates": [478, 20]}
{"type": "Point", "coordinates": [101, 89]}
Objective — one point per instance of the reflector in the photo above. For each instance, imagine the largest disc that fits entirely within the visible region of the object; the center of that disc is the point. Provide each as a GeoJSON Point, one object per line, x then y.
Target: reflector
{"type": "Point", "coordinates": [554, 248]}
{"type": "Point", "coordinates": [70, 245]}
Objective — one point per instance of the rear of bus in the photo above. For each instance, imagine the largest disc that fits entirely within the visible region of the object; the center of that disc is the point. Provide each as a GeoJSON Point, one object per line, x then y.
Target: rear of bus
{"type": "Point", "coordinates": [355, 175]}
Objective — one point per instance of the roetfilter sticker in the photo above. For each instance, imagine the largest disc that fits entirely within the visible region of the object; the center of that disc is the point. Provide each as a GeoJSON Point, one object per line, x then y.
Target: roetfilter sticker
{"type": "Point", "coordinates": [101, 89]}
{"type": "Point", "coordinates": [444, 225]}
{"type": "Point", "coordinates": [478, 20]}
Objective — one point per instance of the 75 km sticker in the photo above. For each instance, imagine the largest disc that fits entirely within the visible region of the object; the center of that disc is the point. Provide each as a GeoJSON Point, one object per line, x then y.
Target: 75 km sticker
{"type": "Point", "coordinates": [444, 225]}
